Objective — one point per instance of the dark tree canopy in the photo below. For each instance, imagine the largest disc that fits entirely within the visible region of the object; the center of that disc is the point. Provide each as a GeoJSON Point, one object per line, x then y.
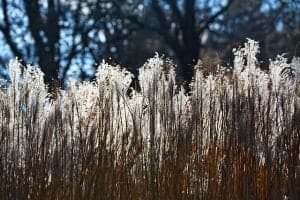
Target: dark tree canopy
{"type": "Point", "coordinates": [181, 25]}
{"type": "Point", "coordinates": [57, 34]}
{"type": "Point", "coordinates": [64, 36]}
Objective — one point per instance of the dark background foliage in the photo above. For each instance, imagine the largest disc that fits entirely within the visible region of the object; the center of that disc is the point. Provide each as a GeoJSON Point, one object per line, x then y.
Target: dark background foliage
{"type": "Point", "coordinates": [68, 38]}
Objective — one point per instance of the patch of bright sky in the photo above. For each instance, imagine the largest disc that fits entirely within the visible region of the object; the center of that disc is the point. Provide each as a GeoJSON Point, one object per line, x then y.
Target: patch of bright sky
{"type": "Point", "coordinates": [85, 64]}
{"type": "Point", "coordinates": [101, 36]}
{"type": "Point", "coordinates": [279, 26]}
{"type": "Point", "coordinates": [85, 10]}
{"type": "Point", "coordinates": [270, 4]}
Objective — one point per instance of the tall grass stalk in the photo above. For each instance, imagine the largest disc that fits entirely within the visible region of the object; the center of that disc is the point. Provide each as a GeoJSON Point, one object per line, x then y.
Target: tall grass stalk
{"type": "Point", "coordinates": [235, 135]}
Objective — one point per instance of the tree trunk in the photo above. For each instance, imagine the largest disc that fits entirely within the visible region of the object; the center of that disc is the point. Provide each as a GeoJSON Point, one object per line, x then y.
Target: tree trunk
{"type": "Point", "coordinates": [50, 67]}
{"type": "Point", "coordinates": [187, 60]}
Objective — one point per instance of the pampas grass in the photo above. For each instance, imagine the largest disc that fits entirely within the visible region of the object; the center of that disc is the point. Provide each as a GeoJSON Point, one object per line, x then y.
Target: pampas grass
{"type": "Point", "coordinates": [235, 135]}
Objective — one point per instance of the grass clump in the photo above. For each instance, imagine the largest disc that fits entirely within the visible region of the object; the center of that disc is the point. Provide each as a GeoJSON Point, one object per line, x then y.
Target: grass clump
{"type": "Point", "coordinates": [236, 135]}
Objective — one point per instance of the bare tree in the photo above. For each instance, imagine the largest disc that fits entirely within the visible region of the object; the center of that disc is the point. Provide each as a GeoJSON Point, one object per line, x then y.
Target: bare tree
{"type": "Point", "coordinates": [181, 24]}
{"type": "Point", "coordinates": [50, 33]}
{"type": "Point", "coordinates": [257, 19]}
{"type": "Point", "coordinates": [58, 34]}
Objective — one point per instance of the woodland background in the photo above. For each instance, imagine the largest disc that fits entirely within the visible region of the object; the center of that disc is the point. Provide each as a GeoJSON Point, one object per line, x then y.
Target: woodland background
{"type": "Point", "coordinates": [70, 38]}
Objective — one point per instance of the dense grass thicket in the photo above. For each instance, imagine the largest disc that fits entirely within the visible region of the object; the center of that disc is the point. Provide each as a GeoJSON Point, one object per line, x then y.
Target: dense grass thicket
{"type": "Point", "coordinates": [235, 135]}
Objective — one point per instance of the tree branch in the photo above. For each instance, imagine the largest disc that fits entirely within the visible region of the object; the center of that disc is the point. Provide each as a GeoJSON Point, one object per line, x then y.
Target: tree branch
{"type": "Point", "coordinates": [211, 19]}
{"type": "Point", "coordinates": [5, 29]}
{"type": "Point", "coordinates": [175, 9]}
{"type": "Point", "coordinates": [35, 25]}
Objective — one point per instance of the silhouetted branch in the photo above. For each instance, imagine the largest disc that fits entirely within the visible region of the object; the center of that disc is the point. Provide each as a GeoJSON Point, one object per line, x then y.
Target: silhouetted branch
{"type": "Point", "coordinates": [214, 17]}
{"type": "Point", "coordinates": [5, 29]}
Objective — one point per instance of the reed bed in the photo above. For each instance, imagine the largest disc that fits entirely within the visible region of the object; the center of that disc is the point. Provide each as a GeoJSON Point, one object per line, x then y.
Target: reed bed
{"type": "Point", "coordinates": [234, 135]}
